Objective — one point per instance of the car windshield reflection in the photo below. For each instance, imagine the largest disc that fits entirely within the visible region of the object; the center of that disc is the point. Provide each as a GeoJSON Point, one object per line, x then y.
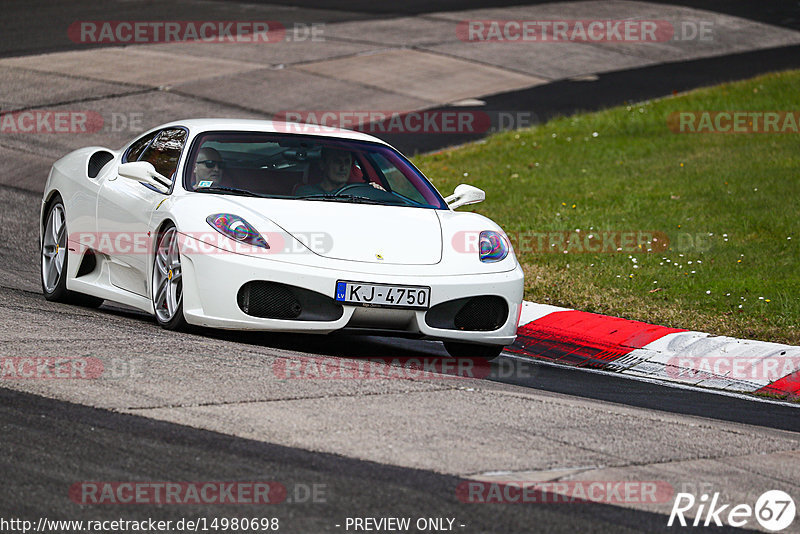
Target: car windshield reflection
{"type": "Point", "coordinates": [306, 168]}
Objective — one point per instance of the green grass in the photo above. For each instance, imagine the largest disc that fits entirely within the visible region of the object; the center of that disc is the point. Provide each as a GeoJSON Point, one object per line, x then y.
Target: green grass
{"type": "Point", "coordinates": [623, 169]}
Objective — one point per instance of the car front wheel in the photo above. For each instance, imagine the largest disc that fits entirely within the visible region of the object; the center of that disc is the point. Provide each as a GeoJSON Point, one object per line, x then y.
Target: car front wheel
{"type": "Point", "coordinates": [168, 281]}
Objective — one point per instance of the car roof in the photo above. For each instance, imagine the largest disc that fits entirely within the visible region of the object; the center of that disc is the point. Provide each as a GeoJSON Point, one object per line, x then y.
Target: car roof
{"type": "Point", "coordinates": [196, 126]}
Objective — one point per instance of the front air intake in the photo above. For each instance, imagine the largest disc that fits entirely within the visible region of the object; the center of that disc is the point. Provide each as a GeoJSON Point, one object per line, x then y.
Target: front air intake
{"type": "Point", "coordinates": [271, 300]}
{"type": "Point", "coordinates": [482, 314]}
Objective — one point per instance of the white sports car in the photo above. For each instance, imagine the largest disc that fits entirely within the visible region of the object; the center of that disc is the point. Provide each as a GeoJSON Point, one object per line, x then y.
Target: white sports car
{"type": "Point", "coordinates": [260, 225]}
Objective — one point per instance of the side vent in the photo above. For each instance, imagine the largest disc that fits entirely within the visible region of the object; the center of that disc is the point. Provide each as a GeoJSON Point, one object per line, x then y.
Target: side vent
{"type": "Point", "coordinates": [88, 264]}
{"type": "Point", "coordinates": [97, 162]}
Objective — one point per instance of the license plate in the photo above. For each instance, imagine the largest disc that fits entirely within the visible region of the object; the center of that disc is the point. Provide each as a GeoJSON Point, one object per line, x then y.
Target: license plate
{"type": "Point", "coordinates": [383, 295]}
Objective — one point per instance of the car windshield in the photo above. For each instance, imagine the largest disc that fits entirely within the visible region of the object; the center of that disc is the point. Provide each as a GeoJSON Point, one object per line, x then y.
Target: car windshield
{"type": "Point", "coordinates": [306, 168]}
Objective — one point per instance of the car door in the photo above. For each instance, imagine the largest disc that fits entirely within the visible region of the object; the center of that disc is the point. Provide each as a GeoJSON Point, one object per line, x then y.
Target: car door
{"type": "Point", "coordinates": [124, 209]}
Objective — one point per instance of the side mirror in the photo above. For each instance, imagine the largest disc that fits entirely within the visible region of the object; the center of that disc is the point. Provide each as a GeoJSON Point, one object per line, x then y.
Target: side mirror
{"type": "Point", "coordinates": [465, 194]}
{"type": "Point", "coordinates": [143, 171]}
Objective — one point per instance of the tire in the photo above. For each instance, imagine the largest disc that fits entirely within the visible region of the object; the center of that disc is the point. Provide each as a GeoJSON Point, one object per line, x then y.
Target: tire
{"type": "Point", "coordinates": [167, 292]}
{"type": "Point", "coordinates": [458, 349]}
{"type": "Point", "coordinates": [54, 259]}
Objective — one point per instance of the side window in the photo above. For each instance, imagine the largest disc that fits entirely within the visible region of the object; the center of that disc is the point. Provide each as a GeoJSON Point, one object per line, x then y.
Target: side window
{"type": "Point", "coordinates": [165, 151]}
{"type": "Point", "coordinates": [138, 147]}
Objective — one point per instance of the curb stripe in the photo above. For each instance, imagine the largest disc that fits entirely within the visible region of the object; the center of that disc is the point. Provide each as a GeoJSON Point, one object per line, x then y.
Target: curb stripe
{"type": "Point", "coordinates": [788, 385]}
{"type": "Point", "coordinates": [583, 339]}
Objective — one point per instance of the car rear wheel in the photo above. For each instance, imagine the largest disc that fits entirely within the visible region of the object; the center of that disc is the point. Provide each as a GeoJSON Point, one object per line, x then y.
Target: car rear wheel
{"type": "Point", "coordinates": [54, 259]}
{"type": "Point", "coordinates": [168, 281]}
{"type": "Point", "coordinates": [470, 350]}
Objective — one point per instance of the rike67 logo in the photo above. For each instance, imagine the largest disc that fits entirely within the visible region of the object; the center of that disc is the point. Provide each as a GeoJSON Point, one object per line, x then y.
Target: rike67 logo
{"type": "Point", "coordinates": [774, 510]}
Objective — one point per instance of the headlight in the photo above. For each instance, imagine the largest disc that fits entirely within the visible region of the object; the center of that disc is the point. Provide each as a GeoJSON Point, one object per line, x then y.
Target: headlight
{"type": "Point", "coordinates": [237, 229]}
{"type": "Point", "coordinates": [493, 246]}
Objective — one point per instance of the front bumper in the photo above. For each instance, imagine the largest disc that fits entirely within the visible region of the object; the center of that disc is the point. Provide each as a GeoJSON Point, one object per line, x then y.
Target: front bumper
{"type": "Point", "coordinates": [211, 283]}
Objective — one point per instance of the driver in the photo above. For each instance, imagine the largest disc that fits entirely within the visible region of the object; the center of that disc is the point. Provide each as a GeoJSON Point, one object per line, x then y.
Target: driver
{"type": "Point", "coordinates": [208, 168]}
{"type": "Point", "coordinates": [336, 166]}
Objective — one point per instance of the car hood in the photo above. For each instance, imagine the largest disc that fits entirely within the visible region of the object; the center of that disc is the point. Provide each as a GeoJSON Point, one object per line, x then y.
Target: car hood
{"type": "Point", "coordinates": [358, 232]}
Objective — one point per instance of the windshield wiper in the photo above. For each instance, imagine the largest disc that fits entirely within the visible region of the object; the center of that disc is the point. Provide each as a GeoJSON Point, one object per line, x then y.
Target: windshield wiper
{"type": "Point", "coordinates": [332, 196]}
{"type": "Point", "coordinates": [231, 190]}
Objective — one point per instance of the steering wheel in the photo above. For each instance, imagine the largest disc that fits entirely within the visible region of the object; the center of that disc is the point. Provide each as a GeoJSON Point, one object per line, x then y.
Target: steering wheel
{"type": "Point", "coordinates": [350, 186]}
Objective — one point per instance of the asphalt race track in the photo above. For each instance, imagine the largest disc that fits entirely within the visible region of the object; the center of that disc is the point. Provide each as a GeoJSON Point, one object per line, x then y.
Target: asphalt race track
{"type": "Point", "coordinates": [215, 406]}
